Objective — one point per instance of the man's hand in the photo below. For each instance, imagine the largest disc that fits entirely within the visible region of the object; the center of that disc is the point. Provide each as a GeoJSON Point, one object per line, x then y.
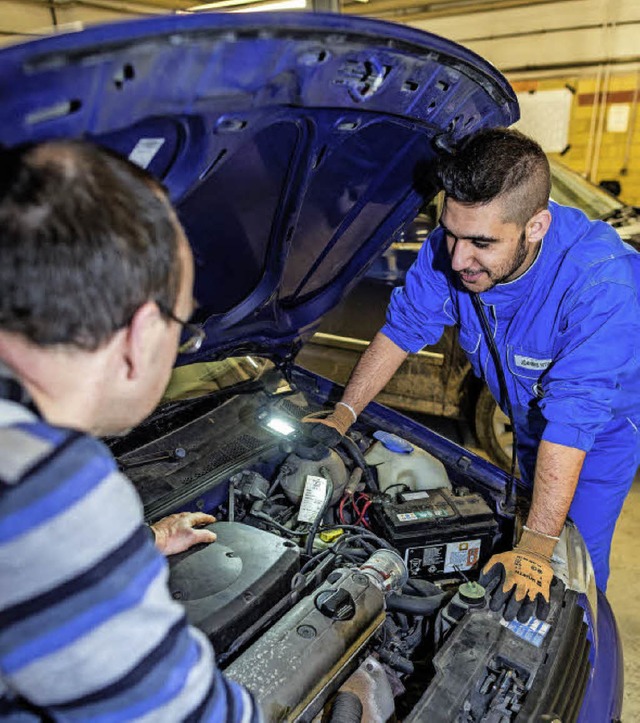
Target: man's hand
{"type": "Point", "coordinates": [176, 533]}
{"type": "Point", "coordinates": [330, 429]}
{"type": "Point", "coordinates": [521, 579]}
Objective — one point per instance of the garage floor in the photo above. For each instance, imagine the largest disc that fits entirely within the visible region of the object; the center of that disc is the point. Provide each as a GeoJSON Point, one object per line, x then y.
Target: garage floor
{"type": "Point", "coordinates": [623, 594]}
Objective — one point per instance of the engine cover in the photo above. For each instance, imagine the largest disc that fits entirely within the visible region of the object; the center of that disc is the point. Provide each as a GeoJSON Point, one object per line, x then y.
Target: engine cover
{"type": "Point", "coordinates": [228, 585]}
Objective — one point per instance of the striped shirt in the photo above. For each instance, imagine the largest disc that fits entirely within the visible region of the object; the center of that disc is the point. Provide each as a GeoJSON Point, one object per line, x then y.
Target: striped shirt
{"type": "Point", "coordinates": [88, 629]}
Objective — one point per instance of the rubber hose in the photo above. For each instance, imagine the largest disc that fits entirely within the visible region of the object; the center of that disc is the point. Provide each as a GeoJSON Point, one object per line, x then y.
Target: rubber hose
{"type": "Point", "coordinates": [424, 588]}
{"type": "Point", "coordinates": [396, 661]}
{"type": "Point", "coordinates": [414, 605]}
{"type": "Point", "coordinates": [347, 708]}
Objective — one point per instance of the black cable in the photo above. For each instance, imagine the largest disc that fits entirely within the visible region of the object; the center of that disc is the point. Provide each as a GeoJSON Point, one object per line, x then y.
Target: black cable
{"type": "Point", "coordinates": [264, 517]}
{"type": "Point", "coordinates": [354, 452]}
{"type": "Point", "coordinates": [361, 531]}
{"type": "Point", "coordinates": [397, 484]}
{"type": "Point", "coordinates": [318, 520]}
{"type": "Point", "coordinates": [506, 402]}
{"type": "Point", "coordinates": [364, 545]}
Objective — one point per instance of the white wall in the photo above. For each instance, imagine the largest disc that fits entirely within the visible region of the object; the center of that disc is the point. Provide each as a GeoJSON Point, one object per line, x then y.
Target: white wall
{"type": "Point", "coordinates": [20, 20]}
{"type": "Point", "coordinates": [543, 35]}
{"type": "Point", "coordinates": [548, 35]}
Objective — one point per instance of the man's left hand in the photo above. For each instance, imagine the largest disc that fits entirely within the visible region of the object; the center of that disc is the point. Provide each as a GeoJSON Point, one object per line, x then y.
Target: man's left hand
{"type": "Point", "coordinates": [176, 533]}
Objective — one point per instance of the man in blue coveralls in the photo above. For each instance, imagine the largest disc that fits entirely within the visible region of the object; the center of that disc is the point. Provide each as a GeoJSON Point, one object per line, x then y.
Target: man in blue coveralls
{"type": "Point", "coordinates": [560, 294]}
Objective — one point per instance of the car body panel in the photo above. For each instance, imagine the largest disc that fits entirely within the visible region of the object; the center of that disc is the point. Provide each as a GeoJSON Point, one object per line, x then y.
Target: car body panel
{"type": "Point", "coordinates": [336, 120]}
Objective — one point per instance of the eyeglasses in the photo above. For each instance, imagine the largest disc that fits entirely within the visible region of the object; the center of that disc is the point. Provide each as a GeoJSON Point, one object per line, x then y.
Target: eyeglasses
{"type": "Point", "coordinates": [192, 335]}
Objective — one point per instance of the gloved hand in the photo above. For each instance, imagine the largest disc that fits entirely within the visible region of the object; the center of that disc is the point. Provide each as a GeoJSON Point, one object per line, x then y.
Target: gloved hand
{"type": "Point", "coordinates": [521, 579]}
{"type": "Point", "coordinates": [330, 428]}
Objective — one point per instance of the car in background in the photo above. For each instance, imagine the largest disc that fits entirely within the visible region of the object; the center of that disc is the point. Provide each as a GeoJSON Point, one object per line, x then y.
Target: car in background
{"type": "Point", "coordinates": [289, 145]}
{"type": "Point", "coordinates": [438, 380]}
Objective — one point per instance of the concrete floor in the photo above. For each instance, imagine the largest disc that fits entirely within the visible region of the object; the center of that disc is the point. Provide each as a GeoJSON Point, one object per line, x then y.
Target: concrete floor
{"type": "Point", "coordinates": [623, 593]}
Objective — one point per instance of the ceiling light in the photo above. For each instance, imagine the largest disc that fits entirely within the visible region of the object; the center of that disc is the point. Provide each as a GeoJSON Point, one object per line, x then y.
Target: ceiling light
{"type": "Point", "coordinates": [220, 4]}
{"type": "Point", "coordinates": [228, 4]}
{"type": "Point", "coordinates": [280, 5]}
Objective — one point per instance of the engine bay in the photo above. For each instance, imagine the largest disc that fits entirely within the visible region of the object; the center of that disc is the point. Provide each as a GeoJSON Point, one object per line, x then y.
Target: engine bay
{"type": "Point", "coordinates": [343, 582]}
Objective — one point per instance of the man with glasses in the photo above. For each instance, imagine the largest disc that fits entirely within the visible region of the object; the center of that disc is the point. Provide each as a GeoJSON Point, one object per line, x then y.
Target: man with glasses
{"type": "Point", "coordinates": [554, 297]}
{"type": "Point", "coordinates": [96, 280]}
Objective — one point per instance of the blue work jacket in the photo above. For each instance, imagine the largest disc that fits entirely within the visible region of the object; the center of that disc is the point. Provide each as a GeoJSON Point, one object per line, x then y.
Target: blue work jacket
{"type": "Point", "coordinates": [567, 331]}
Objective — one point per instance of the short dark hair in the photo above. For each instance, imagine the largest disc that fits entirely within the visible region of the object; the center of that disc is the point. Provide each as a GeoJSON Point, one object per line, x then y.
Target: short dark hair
{"type": "Point", "coordinates": [86, 238]}
{"type": "Point", "coordinates": [499, 163]}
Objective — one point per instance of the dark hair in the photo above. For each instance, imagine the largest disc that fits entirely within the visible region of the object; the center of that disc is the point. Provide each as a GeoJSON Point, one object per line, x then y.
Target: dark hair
{"type": "Point", "coordinates": [499, 163]}
{"type": "Point", "coordinates": [86, 237]}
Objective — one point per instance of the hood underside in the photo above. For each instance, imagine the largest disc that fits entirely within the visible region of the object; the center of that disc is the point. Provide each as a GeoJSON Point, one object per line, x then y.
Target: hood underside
{"type": "Point", "coordinates": [294, 146]}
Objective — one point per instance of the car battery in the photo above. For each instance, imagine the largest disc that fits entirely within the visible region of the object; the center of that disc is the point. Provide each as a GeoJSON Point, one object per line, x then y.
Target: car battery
{"type": "Point", "coordinates": [438, 532]}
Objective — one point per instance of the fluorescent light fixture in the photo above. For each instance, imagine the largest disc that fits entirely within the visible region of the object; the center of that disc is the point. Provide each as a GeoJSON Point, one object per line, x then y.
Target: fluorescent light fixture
{"type": "Point", "coordinates": [219, 5]}
{"type": "Point", "coordinates": [280, 5]}
{"type": "Point", "coordinates": [227, 4]}
{"type": "Point", "coordinates": [280, 426]}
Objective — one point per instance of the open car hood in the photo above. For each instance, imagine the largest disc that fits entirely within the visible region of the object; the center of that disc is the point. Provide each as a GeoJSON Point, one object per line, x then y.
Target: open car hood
{"type": "Point", "coordinates": [294, 146]}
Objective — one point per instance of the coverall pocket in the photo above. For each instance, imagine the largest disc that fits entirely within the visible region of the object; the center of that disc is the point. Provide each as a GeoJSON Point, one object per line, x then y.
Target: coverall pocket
{"type": "Point", "coordinates": [528, 369]}
{"type": "Point", "coordinates": [469, 341]}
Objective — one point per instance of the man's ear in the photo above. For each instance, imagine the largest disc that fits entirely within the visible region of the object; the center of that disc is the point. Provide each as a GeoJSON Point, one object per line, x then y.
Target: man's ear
{"type": "Point", "coordinates": [139, 342]}
{"type": "Point", "coordinates": [538, 225]}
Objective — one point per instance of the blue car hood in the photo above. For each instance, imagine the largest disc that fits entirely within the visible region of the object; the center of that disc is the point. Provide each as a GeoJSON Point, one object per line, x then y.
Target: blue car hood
{"type": "Point", "coordinates": [294, 146]}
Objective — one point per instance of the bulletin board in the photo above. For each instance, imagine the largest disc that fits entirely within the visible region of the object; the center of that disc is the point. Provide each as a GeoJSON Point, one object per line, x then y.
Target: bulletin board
{"type": "Point", "coordinates": [545, 117]}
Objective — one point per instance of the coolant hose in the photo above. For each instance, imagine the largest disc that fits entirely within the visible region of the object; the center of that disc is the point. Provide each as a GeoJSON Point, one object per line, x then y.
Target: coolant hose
{"type": "Point", "coordinates": [414, 605]}
{"type": "Point", "coordinates": [347, 708]}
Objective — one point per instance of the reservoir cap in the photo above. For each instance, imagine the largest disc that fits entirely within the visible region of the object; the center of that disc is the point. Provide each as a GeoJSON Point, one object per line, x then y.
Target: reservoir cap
{"type": "Point", "coordinates": [393, 443]}
{"type": "Point", "coordinates": [471, 593]}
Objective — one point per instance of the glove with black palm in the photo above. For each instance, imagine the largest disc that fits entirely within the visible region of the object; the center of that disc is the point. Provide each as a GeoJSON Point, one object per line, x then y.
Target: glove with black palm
{"type": "Point", "coordinates": [520, 580]}
{"type": "Point", "coordinates": [330, 428]}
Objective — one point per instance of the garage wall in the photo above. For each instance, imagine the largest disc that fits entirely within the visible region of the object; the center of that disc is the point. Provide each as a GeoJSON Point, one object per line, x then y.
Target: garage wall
{"type": "Point", "coordinates": [547, 35]}
{"type": "Point", "coordinates": [21, 20]}
{"type": "Point", "coordinates": [591, 46]}
{"type": "Point", "coordinates": [599, 146]}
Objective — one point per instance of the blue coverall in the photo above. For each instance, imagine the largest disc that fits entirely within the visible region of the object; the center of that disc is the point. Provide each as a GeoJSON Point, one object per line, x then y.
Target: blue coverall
{"type": "Point", "coordinates": [568, 335]}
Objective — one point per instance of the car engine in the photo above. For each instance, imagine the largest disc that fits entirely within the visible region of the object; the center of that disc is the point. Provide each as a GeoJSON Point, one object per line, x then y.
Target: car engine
{"type": "Point", "coordinates": [343, 582]}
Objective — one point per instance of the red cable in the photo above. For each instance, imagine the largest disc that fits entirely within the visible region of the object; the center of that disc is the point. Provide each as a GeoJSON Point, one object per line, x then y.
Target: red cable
{"type": "Point", "coordinates": [343, 501]}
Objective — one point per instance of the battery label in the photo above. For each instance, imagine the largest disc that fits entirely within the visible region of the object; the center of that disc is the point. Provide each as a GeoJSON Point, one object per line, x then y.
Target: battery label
{"type": "Point", "coordinates": [449, 557]}
{"type": "Point", "coordinates": [533, 631]}
{"type": "Point", "coordinates": [412, 496]}
{"type": "Point", "coordinates": [462, 555]}
{"type": "Point", "coordinates": [406, 516]}
{"type": "Point", "coordinates": [423, 514]}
